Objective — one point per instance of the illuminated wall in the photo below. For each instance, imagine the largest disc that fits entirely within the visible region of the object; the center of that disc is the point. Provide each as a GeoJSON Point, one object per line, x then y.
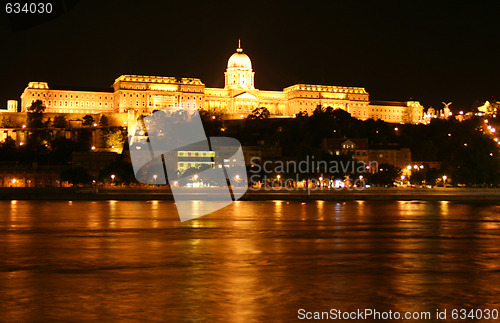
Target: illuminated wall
{"type": "Point", "coordinates": [64, 101]}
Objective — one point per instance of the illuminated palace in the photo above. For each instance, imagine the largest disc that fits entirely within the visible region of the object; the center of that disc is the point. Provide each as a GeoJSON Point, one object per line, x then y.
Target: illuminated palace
{"type": "Point", "coordinates": [137, 94]}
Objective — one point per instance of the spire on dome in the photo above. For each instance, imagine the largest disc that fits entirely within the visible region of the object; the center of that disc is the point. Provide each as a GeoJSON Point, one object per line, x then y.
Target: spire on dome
{"type": "Point", "coordinates": [239, 49]}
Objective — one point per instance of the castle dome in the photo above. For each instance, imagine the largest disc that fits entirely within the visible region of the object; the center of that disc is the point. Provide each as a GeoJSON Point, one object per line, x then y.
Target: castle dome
{"type": "Point", "coordinates": [239, 59]}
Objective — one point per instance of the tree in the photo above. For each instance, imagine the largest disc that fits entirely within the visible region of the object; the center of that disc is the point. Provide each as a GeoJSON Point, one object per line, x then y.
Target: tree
{"type": "Point", "coordinates": [123, 173]}
{"type": "Point", "coordinates": [259, 113]}
{"type": "Point", "coordinates": [212, 122]}
{"type": "Point", "coordinates": [6, 122]}
{"type": "Point", "coordinates": [103, 121]}
{"type": "Point", "coordinates": [77, 175]}
{"type": "Point", "coordinates": [8, 150]}
{"type": "Point", "coordinates": [88, 120]}
{"type": "Point", "coordinates": [386, 175]}
{"type": "Point", "coordinates": [105, 130]}
{"type": "Point", "coordinates": [59, 122]}
{"type": "Point", "coordinates": [301, 114]}
{"type": "Point", "coordinates": [35, 115]}
{"type": "Point", "coordinates": [115, 138]}
{"type": "Point", "coordinates": [37, 107]}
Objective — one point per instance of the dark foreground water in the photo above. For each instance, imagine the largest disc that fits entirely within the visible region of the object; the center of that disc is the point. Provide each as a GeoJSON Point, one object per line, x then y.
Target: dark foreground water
{"type": "Point", "coordinates": [250, 262]}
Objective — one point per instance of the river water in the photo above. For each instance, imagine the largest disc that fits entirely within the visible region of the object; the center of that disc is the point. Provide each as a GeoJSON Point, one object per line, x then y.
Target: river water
{"type": "Point", "coordinates": [249, 262]}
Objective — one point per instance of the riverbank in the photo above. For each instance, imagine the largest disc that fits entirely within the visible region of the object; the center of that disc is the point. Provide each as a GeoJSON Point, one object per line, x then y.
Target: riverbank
{"type": "Point", "coordinates": [155, 193]}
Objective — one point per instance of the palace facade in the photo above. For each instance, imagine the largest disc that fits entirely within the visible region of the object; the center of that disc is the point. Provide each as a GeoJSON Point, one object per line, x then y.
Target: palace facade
{"type": "Point", "coordinates": [138, 94]}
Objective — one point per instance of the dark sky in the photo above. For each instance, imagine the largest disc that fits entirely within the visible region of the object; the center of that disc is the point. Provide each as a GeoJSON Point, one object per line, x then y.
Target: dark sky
{"type": "Point", "coordinates": [428, 51]}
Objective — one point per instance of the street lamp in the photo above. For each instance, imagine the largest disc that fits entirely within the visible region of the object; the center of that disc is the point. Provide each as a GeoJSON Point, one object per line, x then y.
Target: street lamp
{"type": "Point", "coordinates": [444, 180]}
{"type": "Point", "coordinates": [237, 178]}
{"type": "Point", "coordinates": [155, 177]}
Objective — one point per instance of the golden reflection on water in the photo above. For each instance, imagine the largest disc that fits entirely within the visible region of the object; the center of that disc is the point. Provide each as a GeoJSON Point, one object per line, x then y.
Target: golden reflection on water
{"type": "Point", "coordinates": [360, 210]}
{"type": "Point", "coordinates": [251, 261]}
{"type": "Point", "coordinates": [93, 221]}
{"type": "Point", "coordinates": [445, 208]}
{"type": "Point", "coordinates": [320, 205]}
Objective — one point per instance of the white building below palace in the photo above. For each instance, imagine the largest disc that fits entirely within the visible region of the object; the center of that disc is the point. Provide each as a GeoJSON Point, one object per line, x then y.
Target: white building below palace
{"type": "Point", "coordinates": [144, 94]}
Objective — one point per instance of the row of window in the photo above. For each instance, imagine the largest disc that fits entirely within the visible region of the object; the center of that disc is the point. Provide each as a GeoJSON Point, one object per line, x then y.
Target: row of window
{"type": "Point", "coordinates": [187, 165]}
{"type": "Point", "coordinates": [144, 88]}
{"type": "Point", "coordinates": [382, 110]}
{"type": "Point", "coordinates": [75, 111]}
{"type": "Point", "coordinates": [387, 117]}
{"type": "Point", "coordinates": [182, 97]}
{"type": "Point", "coordinates": [195, 154]}
{"type": "Point", "coordinates": [77, 104]}
{"type": "Point", "coordinates": [89, 97]}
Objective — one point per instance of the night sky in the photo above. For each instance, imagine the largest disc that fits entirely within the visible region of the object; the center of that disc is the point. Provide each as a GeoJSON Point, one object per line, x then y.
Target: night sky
{"type": "Point", "coordinates": [397, 50]}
